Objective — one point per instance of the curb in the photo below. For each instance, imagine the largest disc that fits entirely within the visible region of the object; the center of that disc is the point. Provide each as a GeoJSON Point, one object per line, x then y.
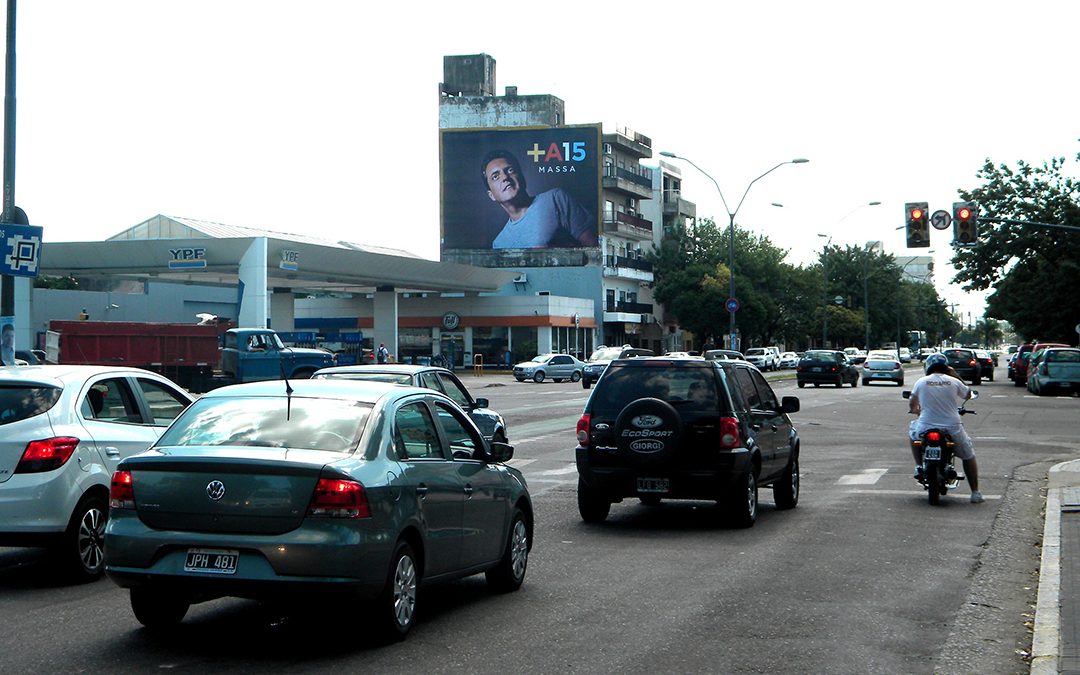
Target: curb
{"type": "Point", "coordinates": [1046, 639]}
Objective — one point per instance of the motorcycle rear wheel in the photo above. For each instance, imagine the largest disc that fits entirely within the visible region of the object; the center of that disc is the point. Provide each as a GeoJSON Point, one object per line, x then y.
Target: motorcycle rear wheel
{"type": "Point", "coordinates": [933, 477]}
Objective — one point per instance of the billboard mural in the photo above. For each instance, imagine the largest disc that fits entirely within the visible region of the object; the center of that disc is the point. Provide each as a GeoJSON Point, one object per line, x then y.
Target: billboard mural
{"type": "Point", "coordinates": [521, 188]}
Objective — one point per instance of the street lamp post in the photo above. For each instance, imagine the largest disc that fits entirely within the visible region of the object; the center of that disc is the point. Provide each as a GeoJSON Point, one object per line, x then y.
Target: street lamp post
{"type": "Point", "coordinates": [825, 290]}
{"type": "Point", "coordinates": [731, 230]}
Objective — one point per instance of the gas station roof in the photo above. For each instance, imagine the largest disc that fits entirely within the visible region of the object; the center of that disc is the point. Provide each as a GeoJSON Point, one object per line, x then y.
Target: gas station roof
{"type": "Point", "coordinates": [201, 252]}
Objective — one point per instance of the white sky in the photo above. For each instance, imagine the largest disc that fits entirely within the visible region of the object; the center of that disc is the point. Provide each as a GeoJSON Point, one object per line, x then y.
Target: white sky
{"type": "Point", "coordinates": [322, 116]}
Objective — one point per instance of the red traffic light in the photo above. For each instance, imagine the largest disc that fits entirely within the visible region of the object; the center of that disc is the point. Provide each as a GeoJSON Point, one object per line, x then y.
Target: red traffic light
{"type": "Point", "coordinates": [964, 214]}
{"type": "Point", "coordinates": [916, 214]}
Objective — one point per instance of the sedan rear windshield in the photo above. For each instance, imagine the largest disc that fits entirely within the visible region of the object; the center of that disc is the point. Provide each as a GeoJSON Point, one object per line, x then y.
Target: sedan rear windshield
{"type": "Point", "coordinates": [1063, 356]}
{"type": "Point", "coordinates": [272, 422]}
{"type": "Point", "coordinates": [820, 356]}
{"type": "Point", "coordinates": [881, 365]}
{"type": "Point", "coordinates": [19, 402]}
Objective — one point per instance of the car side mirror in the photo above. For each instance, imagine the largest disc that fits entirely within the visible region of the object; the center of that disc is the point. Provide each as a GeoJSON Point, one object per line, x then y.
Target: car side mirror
{"type": "Point", "coordinates": [974, 394]}
{"type": "Point", "coordinates": [906, 393]}
{"type": "Point", "coordinates": [499, 452]}
{"type": "Point", "coordinates": [481, 403]}
{"type": "Point", "coordinates": [789, 404]}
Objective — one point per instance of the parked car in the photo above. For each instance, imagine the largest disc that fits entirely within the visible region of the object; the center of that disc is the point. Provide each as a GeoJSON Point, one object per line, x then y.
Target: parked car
{"type": "Point", "coordinates": [724, 355]}
{"type": "Point", "coordinates": [659, 428]}
{"type": "Point", "coordinates": [491, 424]}
{"type": "Point", "coordinates": [558, 367]}
{"type": "Point", "coordinates": [965, 364]}
{"type": "Point", "coordinates": [328, 489]}
{"type": "Point", "coordinates": [762, 357]}
{"type": "Point", "coordinates": [883, 370]}
{"type": "Point", "coordinates": [986, 364]}
{"type": "Point", "coordinates": [788, 360]}
{"type": "Point", "coordinates": [824, 366]}
{"type": "Point", "coordinates": [1055, 368]}
{"type": "Point", "coordinates": [63, 429]}
{"type": "Point", "coordinates": [1020, 364]}
{"type": "Point", "coordinates": [905, 355]}
{"type": "Point", "coordinates": [599, 360]}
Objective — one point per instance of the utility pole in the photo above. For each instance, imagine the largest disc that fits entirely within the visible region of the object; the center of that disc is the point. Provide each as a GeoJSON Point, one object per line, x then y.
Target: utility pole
{"type": "Point", "coordinates": [7, 282]}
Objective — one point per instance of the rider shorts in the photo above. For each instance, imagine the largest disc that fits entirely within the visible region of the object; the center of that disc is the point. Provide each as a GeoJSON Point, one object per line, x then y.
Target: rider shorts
{"type": "Point", "coordinates": [964, 448]}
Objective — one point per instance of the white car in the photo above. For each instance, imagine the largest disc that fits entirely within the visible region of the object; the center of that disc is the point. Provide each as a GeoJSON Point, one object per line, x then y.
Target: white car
{"type": "Point", "coordinates": [63, 430]}
{"type": "Point", "coordinates": [762, 357]}
{"type": "Point", "coordinates": [789, 360]}
{"type": "Point", "coordinates": [558, 367]}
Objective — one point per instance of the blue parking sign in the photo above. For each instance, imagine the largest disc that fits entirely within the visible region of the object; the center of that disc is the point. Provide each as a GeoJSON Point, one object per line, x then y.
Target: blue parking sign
{"type": "Point", "coordinates": [21, 247]}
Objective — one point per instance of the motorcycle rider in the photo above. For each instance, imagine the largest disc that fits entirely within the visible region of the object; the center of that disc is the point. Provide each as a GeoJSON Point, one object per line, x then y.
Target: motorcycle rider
{"type": "Point", "coordinates": [935, 398]}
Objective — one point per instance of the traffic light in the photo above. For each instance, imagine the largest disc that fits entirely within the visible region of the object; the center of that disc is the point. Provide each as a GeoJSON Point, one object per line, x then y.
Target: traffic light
{"type": "Point", "coordinates": [965, 223]}
{"type": "Point", "coordinates": [918, 225]}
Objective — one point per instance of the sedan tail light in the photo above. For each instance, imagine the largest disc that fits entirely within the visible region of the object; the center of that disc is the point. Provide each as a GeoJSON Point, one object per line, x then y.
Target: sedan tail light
{"type": "Point", "coordinates": [729, 433]}
{"type": "Point", "coordinates": [46, 454]}
{"type": "Point", "coordinates": [583, 430]}
{"type": "Point", "coordinates": [335, 498]}
{"type": "Point", "coordinates": [122, 491]}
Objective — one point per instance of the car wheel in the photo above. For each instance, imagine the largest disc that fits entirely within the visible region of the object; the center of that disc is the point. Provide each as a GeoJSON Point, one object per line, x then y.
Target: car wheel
{"type": "Point", "coordinates": [976, 382]}
{"type": "Point", "coordinates": [575, 376]}
{"type": "Point", "coordinates": [520, 379]}
{"type": "Point", "coordinates": [81, 551]}
{"type": "Point", "coordinates": [742, 503]}
{"type": "Point", "coordinates": [592, 506]}
{"type": "Point", "coordinates": [991, 378]}
{"type": "Point", "coordinates": [538, 377]}
{"type": "Point", "coordinates": [865, 382]}
{"type": "Point", "coordinates": [158, 609]}
{"type": "Point", "coordinates": [855, 383]}
{"type": "Point", "coordinates": [510, 572]}
{"type": "Point", "coordinates": [786, 489]}
{"type": "Point", "coordinates": [396, 607]}
{"type": "Point", "coordinates": [557, 380]}
{"type": "Point", "coordinates": [817, 384]}
{"type": "Point", "coordinates": [801, 385]}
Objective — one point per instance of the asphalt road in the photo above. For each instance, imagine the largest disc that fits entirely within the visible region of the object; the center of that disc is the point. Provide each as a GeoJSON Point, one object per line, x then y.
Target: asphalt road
{"type": "Point", "coordinates": [864, 576]}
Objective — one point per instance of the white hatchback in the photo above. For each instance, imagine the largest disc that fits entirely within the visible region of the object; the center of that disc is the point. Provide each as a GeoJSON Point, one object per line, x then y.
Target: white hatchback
{"type": "Point", "coordinates": [63, 429]}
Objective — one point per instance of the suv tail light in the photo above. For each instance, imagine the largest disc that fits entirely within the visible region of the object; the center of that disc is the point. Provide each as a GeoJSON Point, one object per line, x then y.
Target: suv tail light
{"type": "Point", "coordinates": [583, 430]}
{"type": "Point", "coordinates": [47, 454]}
{"type": "Point", "coordinates": [339, 499]}
{"type": "Point", "coordinates": [729, 433]}
{"type": "Point", "coordinates": [122, 491]}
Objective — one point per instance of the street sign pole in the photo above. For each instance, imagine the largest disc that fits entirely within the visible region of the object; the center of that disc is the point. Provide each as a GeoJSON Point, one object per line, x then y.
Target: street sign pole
{"type": "Point", "coordinates": [7, 283]}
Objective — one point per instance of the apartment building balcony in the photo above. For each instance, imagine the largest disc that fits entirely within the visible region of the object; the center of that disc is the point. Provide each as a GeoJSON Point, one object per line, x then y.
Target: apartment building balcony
{"type": "Point", "coordinates": [628, 312]}
{"type": "Point", "coordinates": [627, 225]}
{"type": "Point", "coordinates": [630, 141]}
{"type": "Point", "coordinates": [675, 205]}
{"type": "Point", "coordinates": [628, 268]}
{"type": "Point", "coordinates": [636, 182]}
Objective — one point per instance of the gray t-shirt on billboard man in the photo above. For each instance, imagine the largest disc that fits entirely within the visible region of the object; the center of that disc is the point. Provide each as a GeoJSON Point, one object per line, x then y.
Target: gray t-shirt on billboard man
{"type": "Point", "coordinates": [553, 220]}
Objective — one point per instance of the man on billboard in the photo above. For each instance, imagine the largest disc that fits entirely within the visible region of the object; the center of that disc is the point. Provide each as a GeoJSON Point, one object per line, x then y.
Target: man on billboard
{"type": "Point", "coordinates": [551, 219]}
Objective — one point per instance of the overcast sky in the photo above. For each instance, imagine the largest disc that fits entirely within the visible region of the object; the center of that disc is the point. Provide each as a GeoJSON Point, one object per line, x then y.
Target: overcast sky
{"type": "Point", "coordinates": [322, 116]}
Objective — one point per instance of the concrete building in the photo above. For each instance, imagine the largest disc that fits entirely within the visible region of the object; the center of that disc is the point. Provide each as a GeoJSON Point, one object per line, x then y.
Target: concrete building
{"type": "Point", "coordinates": [614, 276]}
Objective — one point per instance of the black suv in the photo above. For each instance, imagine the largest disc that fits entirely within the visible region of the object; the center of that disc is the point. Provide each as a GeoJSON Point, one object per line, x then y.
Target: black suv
{"type": "Point", "coordinates": [661, 428]}
{"type": "Point", "coordinates": [600, 359]}
{"type": "Point", "coordinates": [965, 363]}
{"type": "Point", "coordinates": [824, 366]}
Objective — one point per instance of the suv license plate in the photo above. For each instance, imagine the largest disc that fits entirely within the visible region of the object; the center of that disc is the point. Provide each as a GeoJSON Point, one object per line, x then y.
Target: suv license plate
{"type": "Point", "coordinates": [211, 560]}
{"type": "Point", "coordinates": [653, 485]}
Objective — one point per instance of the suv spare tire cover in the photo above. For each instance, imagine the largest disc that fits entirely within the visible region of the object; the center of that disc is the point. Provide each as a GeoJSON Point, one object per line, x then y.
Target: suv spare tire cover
{"type": "Point", "coordinates": [647, 431]}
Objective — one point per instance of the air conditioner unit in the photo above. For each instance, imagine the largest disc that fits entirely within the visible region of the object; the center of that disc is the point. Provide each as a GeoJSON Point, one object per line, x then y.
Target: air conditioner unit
{"type": "Point", "coordinates": [521, 278]}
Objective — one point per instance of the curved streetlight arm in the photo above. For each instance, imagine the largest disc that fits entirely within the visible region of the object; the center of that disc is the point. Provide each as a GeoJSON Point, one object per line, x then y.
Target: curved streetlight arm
{"type": "Point", "coordinates": [706, 174]}
{"type": "Point", "coordinates": [732, 213]}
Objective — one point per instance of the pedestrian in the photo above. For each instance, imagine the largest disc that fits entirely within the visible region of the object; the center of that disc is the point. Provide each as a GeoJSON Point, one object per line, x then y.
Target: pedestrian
{"type": "Point", "coordinates": [383, 355]}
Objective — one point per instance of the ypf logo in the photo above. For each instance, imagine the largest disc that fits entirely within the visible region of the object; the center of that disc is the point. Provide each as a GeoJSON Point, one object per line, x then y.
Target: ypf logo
{"type": "Point", "coordinates": [215, 490]}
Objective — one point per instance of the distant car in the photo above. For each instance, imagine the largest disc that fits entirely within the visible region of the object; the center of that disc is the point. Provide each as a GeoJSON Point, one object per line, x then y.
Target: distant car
{"type": "Point", "coordinates": [684, 355]}
{"type": "Point", "coordinates": [925, 352]}
{"type": "Point", "coordinates": [966, 365]}
{"type": "Point", "coordinates": [599, 360]}
{"type": "Point", "coordinates": [905, 355]}
{"type": "Point", "coordinates": [986, 364]}
{"type": "Point", "coordinates": [761, 357]}
{"type": "Point", "coordinates": [491, 424]}
{"type": "Point", "coordinates": [1026, 353]}
{"type": "Point", "coordinates": [821, 366]}
{"type": "Point", "coordinates": [63, 429]}
{"type": "Point", "coordinates": [724, 355]}
{"type": "Point", "coordinates": [327, 491]}
{"type": "Point", "coordinates": [558, 367]}
{"type": "Point", "coordinates": [1056, 368]}
{"type": "Point", "coordinates": [788, 360]}
{"type": "Point", "coordinates": [883, 370]}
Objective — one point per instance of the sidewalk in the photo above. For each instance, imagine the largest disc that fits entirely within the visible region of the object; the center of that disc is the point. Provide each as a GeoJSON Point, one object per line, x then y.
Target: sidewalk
{"type": "Point", "coordinates": [1055, 645]}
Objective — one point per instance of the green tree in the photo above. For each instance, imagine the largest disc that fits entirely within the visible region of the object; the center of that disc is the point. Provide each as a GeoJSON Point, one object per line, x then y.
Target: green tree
{"type": "Point", "coordinates": [1032, 269]}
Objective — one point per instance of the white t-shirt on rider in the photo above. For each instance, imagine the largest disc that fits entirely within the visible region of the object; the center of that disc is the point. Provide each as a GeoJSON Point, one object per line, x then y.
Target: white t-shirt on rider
{"type": "Point", "coordinates": [939, 396]}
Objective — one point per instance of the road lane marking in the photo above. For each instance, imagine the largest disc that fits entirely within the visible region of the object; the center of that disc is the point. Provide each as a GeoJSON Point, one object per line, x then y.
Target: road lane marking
{"type": "Point", "coordinates": [557, 472]}
{"type": "Point", "coordinates": [866, 477]}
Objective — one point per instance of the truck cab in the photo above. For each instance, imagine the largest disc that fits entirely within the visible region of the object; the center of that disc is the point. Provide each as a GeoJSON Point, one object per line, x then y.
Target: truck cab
{"type": "Point", "coordinates": [252, 354]}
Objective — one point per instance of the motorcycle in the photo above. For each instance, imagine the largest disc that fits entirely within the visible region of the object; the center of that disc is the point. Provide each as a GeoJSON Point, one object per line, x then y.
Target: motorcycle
{"type": "Point", "coordinates": [938, 474]}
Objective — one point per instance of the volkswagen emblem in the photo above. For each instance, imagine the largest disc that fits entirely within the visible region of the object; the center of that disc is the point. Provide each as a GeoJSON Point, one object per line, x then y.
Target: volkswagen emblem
{"type": "Point", "coordinates": [215, 490]}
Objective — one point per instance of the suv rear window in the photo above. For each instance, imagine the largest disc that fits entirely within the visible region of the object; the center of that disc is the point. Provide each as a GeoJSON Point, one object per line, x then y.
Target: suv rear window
{"type": "Point", "coordinates": [685, 388]}
{"type": "Point", "coordinates": [20, 402]}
